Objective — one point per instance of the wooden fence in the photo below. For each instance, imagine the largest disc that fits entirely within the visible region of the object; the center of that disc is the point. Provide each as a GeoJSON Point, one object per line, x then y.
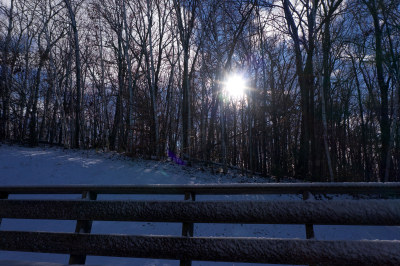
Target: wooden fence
{"type": "Point", "coordinates": [187, 248]}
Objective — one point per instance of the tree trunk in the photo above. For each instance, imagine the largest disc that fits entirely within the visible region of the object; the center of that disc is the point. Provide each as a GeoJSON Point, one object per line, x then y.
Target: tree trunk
{"type": "Point", "coordinates": [130, 86]}
{"type": "Point", "coordinates": [78, 74]}
{"type": "Point", "coordinates": [152, 84]}
{"type": "Point", "coordinates": [5, 86]}
{"type": "Point", "coordinates": [326, 83]}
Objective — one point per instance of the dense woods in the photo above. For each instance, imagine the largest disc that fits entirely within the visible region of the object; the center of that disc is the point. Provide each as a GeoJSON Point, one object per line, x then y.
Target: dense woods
{"type": "Point", "coordinates": [148, 78]}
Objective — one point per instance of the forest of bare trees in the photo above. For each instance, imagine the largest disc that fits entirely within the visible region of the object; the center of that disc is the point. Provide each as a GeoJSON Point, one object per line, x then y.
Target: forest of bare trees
{"type": "Point", "coordinates": [147, 78]}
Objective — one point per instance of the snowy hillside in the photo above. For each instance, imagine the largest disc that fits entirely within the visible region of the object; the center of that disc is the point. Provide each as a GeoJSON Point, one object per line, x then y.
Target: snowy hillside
{"type": "Point", "coordinates": [59, 166]}
{"type": "Point", "coordinates": [49, 166]}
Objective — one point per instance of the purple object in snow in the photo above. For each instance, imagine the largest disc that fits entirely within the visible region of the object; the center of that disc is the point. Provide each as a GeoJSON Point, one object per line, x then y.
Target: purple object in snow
{"type": "Point", "coordinates": [176, 159]}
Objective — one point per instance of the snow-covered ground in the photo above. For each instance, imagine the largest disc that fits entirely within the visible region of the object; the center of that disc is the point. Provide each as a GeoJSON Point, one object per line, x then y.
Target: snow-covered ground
{"type": "Point", "coordinates": [49, 166]}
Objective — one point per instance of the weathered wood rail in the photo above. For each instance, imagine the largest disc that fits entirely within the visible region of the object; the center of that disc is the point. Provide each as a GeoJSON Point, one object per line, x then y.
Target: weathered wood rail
{"type": "Point", "coordinates": [187, 248]}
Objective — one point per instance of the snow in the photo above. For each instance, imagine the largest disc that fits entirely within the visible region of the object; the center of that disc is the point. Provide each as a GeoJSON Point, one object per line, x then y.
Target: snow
{"type": "Point", "coordinates": [58, 166]}
{"type": "Point", "coordinates": [52, 166]}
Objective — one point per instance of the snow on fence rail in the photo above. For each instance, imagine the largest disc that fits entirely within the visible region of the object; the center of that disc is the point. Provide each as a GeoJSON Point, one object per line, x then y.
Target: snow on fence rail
{"type": "Point", "coordinates": [289, 251]}
{"type": "Point", "coordinates": [371, 212]}
{"type": "Point", "coordinates": [213, 189]}
{"type": "Point", "coordinates": [187, 247]}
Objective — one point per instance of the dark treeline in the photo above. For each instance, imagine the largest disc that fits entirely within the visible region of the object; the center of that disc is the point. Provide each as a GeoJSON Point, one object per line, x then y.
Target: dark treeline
{"type": "Point", "coordinates": [147, 78]}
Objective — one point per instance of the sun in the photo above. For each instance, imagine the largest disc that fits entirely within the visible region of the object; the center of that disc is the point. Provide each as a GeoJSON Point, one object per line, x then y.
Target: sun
{"type": "Point", "coordinates": [235, 86]}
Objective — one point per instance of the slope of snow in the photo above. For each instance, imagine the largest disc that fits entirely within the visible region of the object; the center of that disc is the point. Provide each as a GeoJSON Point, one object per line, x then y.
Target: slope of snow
{"type": "Point", "coordinates": [50, 166]}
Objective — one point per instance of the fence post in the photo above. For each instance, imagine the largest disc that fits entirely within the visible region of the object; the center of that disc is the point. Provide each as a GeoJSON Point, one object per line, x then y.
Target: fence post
{"type": "Point", "coordinates": [309, 227]}
{"type": "Point", "coordinates": [188, 228]}
{"type": "Point", "coordinates": [3, 196]}
{"type": "Point", "coordinates": [83, 226]}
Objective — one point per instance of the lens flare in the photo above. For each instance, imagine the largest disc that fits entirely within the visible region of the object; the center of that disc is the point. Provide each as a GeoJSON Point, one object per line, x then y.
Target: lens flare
{"type": "Point", "coordinates": [235, 86]}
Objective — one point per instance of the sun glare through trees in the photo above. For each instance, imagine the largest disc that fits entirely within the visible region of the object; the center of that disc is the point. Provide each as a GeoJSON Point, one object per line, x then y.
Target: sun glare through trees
{"type": "Point", "coordinates": [235, 86]}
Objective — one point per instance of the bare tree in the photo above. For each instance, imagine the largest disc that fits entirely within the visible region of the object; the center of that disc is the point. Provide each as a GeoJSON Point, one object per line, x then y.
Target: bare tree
{"type": "Point", "coordinates": [74, 27]}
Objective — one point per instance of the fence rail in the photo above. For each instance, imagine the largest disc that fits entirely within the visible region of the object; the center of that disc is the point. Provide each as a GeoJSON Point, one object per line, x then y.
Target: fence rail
{"type": "Point", "coordinates": [264, 250]}
{"type": "Point", "coordinates": [213, 189]}
{"type": "Point", "coordinates": [371, 212]}
{"type": "Point", "coordinates": [188, 211]}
